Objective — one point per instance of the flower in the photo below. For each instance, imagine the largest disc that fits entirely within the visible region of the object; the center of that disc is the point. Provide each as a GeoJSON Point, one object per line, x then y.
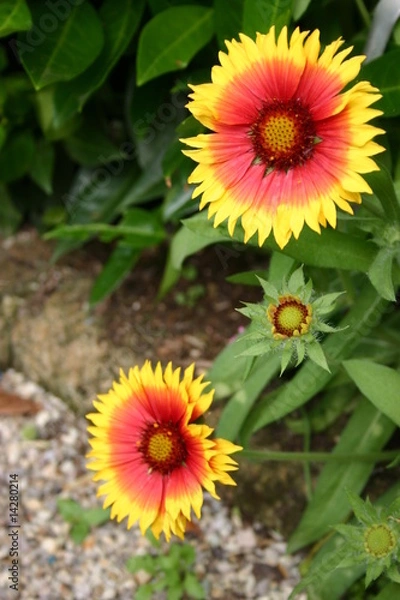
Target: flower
{"type": "Point", "coordinates": [288, 321]}
{"type": "Point", "coordinates": [374, 541]}
{"type": "Point", "coordinates": [288, 144]}
{"type": "Point", "coordinates": [154, 458]}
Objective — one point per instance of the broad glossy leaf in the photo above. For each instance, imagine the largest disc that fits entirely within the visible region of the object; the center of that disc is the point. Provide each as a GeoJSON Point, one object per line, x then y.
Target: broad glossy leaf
{"type": "Point", "coordinates": [368, 430]}
{"type": "Point", "coordinates": [383, 72]}
{"type": "Point", "coordinates": [120, 21]}
{"type": "Point", "coordinates": [58, 49]}
{"type": "Point", "coordinates": [170, 40]}
{"type": "Point", "coordinates": [14, 16]}
{"type": "Point", "coordinates": [378, 383]}
{"type": "Point", "coordinates": [261, 15]}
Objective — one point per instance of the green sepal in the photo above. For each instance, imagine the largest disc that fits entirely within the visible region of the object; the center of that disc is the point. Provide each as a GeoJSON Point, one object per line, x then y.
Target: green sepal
{"type": "Point", "coordinates": [316, 354]}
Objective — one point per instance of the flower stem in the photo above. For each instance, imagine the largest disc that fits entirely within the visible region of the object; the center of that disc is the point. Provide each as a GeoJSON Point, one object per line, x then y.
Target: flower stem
{"type": "Point", "coordinates": [363, 12]}
{"type": "Point", "coordinates": [276, 455]}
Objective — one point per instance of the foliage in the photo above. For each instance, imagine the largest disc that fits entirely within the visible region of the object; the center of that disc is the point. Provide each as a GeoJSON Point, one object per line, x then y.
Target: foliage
{"type": "Point", "coordinates": [81, 519]}
{"type": "Point", "coordinates": [92, 104]}
{"type": "Point", "coordinates": [170, 571]}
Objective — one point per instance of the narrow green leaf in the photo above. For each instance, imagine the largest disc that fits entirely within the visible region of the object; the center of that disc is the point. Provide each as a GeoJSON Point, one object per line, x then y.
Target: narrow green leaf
{"type": "Point", "coordinates": [58, 49]}
{"type": "Point", "coordinates": [118, 266]}
{"type": "Point", "coordinates": [170, 40]}
{"type": "Point", "coordinates": [368, 430]}
{"type": "Point", "coordinates": [14, 16]}
{"type": "Point", "coordinates": [242, 401]}
{"type": "Point", "coordinates": [382, 184]}
{"type": "Point", "coordinates": [109, 232]}
{"type": "Point", "coordinates": [79, 531]}
{"type": "Point", "coordinates": [261, 15]}
{"type": "Point", "coordinates": [299, 8]}
{"type": "Point", "coordinates": [120, 21]}
{"type": "Point", "coordinates": [378, 383]}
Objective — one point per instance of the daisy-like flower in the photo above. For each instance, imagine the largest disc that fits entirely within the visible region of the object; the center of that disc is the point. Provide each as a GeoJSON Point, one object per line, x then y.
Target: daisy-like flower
{"type": "Point", "coordinates": [289, 322]}
{"type": "Point", "coordinates": [288, 146]}
{"type": "Point", "coordinates": [154, 458]}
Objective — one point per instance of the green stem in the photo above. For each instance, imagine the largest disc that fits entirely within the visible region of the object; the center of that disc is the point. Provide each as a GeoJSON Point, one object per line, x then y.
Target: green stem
{"type": "Point", "coordinates": [275, 455]}
{"type": "Point", "coordinates": [364, 13]}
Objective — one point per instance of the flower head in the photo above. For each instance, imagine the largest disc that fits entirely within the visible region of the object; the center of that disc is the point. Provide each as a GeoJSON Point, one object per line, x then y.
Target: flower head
{"type": "Point", "coordinates": [154, 458]}
{"type": "Point", "coordinates": [288, 145]}
{"type": "Point", "coordinates": [374, 541]}
{"type": "Point", "coordinates": [288, 321]}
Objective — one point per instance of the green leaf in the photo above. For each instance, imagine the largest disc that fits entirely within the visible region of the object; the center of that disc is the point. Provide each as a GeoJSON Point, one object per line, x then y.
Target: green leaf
{"type": "Point", "coordinates": [79, 531]}
{"type": "Point", "coordinates": [58, 49]}
{"type": "Point", "coordinates": [382, 184]}
{"type": "Point", "coordinates": [91, 147]}
{"type": "Point", "coordinates": [299, 8]}
{"type": "Point", "coordinates": [16, 156]}
{"type": "Point", "coordinates": [242, 401]}
{"type": "Point", "coordinates": [390, 591]}
{"type": "Point", "coordinates": [108, 232]}
{"type": "Point", "coordinates": [185, 243]}
{"type": "Point", "coordinates": [316, 354]}
{"type": "Point", "coordinates": [120, 21]}
{"type": "Point", "coordinates": [378, 383]}
{"type": "Point", "coordinates": [14, 16]}
{"type": "Point", "coordinates": [69, 509]}
{"type": "Point", "coordinates": [170, 40]}
{"type": "Point", "coordinates": [95, 516]}
{"type": "Point", "coordinates": [118, 266]}
{"type": "Point", "coordinates": [380, 274]}
{"type": "Point", "coordinates": [193, 587]}
{"type": "Point", "coordinates": [10, 217]}
{"type": "Point", "coordinates": [383, 73]}
{"type": "Point", "coordinates": [261, 15]}
{"type": "Point", "coordinates": [42, 167]}
{"type": "Point", "coordinates": [368, 430]}
{"type": "Point", "coordinates": [228, 19]}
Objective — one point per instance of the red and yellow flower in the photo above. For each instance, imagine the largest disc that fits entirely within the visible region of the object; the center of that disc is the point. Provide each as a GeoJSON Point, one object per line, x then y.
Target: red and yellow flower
{"type": "Point", "coordinates": [154, 458]}
{"type": "Point", "coordinates": [288, 145]}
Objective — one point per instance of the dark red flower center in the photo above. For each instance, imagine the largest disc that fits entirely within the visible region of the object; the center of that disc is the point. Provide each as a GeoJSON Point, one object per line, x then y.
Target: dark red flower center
{"type": "Point", "coordinates": [291, 317]}
{"type": "Point", "coordinates": [284, 135]}
{"type": "Point", "coordinates": [163, 447]}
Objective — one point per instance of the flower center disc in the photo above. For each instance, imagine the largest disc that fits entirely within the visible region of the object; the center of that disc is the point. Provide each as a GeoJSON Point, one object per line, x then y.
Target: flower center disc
{"type": "Point", "coordinates": [283, 135]}
{"type": "Point", "coordinates": [379, 541]}
{"type": "Point", "coordinates": [163, 447]}
{"type": "Point", "coordinates": [290, 318]}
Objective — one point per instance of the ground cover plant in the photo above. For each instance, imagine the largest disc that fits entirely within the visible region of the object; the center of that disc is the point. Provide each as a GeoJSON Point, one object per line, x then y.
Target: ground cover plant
{"type": "Point", "coordinates": [250, 126]}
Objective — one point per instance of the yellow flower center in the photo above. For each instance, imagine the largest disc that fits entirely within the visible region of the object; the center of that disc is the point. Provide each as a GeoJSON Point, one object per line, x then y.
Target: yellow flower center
{"type": "Point", "coordinates": [283, 135]}
{"type": "Point", "coordinates": [379, 540]}
{"type": "Point", "coordinates": [163, 447]}
{"type": "Point", "coordinates": [279, 133]}
{"type": "Point", "coordinates": [290, 318]}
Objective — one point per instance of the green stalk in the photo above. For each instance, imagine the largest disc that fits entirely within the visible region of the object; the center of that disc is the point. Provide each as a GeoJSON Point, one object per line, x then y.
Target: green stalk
{"type": "Point", "coordinates": [364, 13]}
{"type": "Point", "coordinates": [307, 457]}
{"type": "Point", "coordinates": [310, 379]}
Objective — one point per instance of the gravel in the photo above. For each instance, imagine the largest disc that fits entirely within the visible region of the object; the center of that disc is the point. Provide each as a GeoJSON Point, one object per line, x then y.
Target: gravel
{"type": "Point", "coordinates": [46, 451]}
